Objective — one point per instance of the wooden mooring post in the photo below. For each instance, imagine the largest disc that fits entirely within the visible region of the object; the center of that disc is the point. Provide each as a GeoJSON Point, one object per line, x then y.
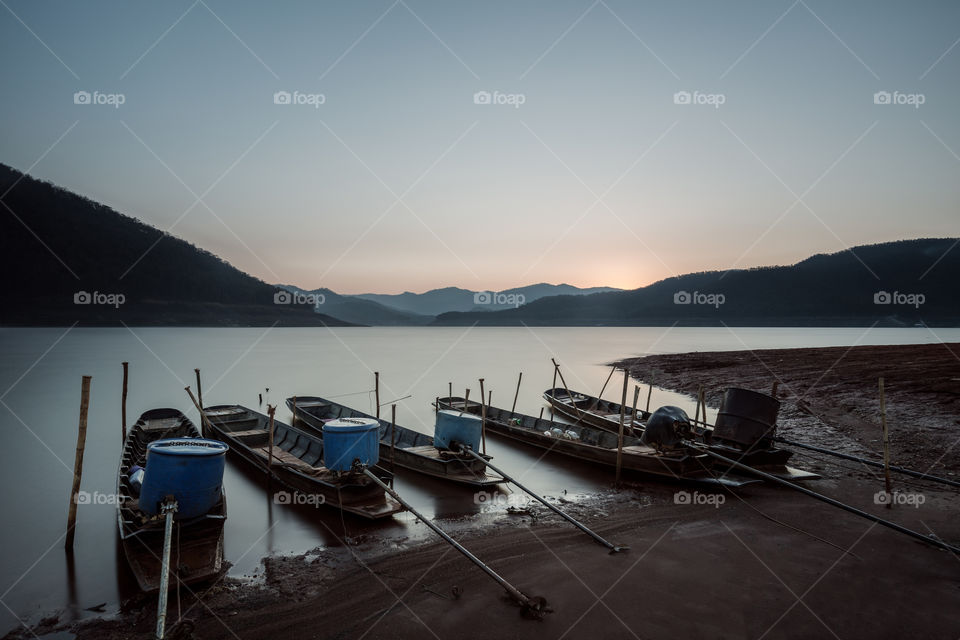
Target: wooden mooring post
{"type": "Point", "coordinates": [623, 413]}
{"type": "Point", "coordinates": [78, 461]}
{"type": "Point", "coordinates": [270, 411]}
{"type": "Point", "coordinates": [483, 418]}
{"type": "Point", "coordinates": [886, 446]}
{"type": "Point", "coordinates": [199, 388]}
{"type": "Point", "coordinates": [123, 405]}
{"type": "Point", "coordinates": [516, 394]}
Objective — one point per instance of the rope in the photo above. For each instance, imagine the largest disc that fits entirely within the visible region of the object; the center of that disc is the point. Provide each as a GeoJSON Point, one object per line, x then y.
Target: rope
{"type": "Point", "coordinates": [902, 480]}
{"type": "Point", "coordinates": [355, 393]}
{"type": "Point", "coordinates": [780, 522]}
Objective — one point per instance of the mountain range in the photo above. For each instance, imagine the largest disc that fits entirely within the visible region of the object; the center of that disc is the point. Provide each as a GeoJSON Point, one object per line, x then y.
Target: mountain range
{"type": "Point", "coordinates": [900, 283]}
{"type": "Point", "coordinates": [67, 259]}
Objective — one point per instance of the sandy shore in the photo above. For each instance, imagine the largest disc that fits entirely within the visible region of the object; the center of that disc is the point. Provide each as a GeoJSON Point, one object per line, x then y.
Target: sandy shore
{"type": "Point", "coordinates": [755, 562]}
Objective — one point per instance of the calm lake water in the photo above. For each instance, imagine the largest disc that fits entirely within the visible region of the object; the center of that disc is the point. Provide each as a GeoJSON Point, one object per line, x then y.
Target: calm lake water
{"type": "Point", "coordinates": [40, 371]}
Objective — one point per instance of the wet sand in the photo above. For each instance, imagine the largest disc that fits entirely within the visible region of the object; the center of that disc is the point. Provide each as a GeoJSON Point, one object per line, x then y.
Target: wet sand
{"type": "Point", "coordinates": [758, 561]}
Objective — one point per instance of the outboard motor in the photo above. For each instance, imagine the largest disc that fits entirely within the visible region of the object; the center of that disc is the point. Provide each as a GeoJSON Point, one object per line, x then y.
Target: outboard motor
{"type": "Point", "coordinates": [666, 428]}
{"type": "Point", "coordinates": [747, 418]}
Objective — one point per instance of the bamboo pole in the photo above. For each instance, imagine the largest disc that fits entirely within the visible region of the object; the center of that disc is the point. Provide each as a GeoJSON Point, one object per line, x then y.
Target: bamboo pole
{"type": "Point", "coordinates": [376, 390]}
{"type": "Point", "coordinates": [623, 412]}
{"type": "Point", "coordinates": [483, 419]}
{"type": "Point", "coordinates": [393, 439]}
{"type": "Point", "coordinates": [449, 389]}
{"type": "Point", "coordinates": [553, 386]}
{"type": "Point", "coordinates": [123, 404]}
{"type": "Point", "coordinates": [534, 606]}
{"type": "Point", "coordinates": [886, 444]}
{"type": "Point", "coordinates": [565, 388]}
{"type": "Point", "coordinates": [636, 396]}
{"type": "Point", "coordinates": [466, 400]}
{"type": "Point", "coordinates": [168, 509]}
{"type": "Point", "coordinates": [199, 389]}
{"type": "Point", "coordinates": [270, 412]}
{"type": "Point", "coordinates": [776, 386]}
{"type": "Point", "coordinates": [696, 413]}
{"type": "Point", "coordinates": [612, 369]}
{"type": "Point", "coordinates": [649, 393]}
{"type": "Point", "coordinates": [204, 420]}
{"type": "Point", "coordinates": [293, 410]}
{"type": "Point", "coordinates": [78, 461]}
{"type": "Point", "coordinates": [703, 405]}
{"type": "Point", "coordinates": [516, 394]}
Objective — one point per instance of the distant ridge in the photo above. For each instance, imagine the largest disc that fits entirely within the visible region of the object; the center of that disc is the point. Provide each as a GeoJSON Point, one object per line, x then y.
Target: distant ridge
{"type": "Point", "coordinates": [902, 283]}
{"type": "Point", "coordinates": [437, 301]}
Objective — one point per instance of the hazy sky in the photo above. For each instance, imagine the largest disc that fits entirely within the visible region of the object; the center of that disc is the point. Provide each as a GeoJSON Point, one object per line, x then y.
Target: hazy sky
{"type": "Point", "coordinates": [591, 170]}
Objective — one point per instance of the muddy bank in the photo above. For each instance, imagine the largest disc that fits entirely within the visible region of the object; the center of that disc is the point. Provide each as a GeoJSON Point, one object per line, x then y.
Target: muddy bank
{"type": "Point", "coordinates": [722, 570]}
{"type": "Point", "coordinates": [831, 398]}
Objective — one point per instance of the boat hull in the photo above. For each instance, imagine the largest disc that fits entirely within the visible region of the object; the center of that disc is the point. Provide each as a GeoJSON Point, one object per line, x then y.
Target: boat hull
{"type": "Point", "coordinates": [601, 448]}
{"type": "Point", "coordinates": [297, 463]}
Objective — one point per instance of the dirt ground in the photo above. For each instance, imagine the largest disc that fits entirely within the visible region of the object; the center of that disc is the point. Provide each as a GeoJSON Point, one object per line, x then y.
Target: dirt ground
{"type": "Point", "coordinates": [759, 561]}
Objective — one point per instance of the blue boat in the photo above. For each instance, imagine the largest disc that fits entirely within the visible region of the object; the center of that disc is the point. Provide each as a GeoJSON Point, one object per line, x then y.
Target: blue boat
{"type": "Point", "coordinates": [199, 552]}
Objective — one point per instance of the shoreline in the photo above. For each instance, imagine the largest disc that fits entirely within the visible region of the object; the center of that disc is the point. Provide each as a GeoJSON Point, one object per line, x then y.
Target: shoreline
{"type": "Point", "coordinates": [763, 561]}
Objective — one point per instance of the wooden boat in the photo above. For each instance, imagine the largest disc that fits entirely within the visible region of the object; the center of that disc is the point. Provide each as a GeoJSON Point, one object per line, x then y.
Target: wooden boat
{"type": "Point", "coordinates": [581, 408]}
{"type": "Point", "coordinates": [297, 463]}
{"type": "Point", "coordinates": [412, 450]}
{"type": "Point", "coordinates": [599, 446]}
{"type": "Point", "coordinates": [198, 555]}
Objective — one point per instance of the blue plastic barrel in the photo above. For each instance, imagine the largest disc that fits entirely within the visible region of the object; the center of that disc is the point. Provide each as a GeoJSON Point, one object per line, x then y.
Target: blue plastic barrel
{"type": "Point", "coordinates": [189, 469]}
{"type": "Point", "coordinates": [349, 439]}
{"type": "Point", "coordinates": [455, 426]}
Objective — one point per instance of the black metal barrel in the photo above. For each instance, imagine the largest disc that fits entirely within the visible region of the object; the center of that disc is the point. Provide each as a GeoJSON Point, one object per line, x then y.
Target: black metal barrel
{"type": "Point", "coordinates": [746, 417]}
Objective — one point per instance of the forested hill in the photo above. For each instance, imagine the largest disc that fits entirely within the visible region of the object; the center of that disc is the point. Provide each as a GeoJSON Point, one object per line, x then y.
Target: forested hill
{"type": "Point", "coordinates": [68, 259]}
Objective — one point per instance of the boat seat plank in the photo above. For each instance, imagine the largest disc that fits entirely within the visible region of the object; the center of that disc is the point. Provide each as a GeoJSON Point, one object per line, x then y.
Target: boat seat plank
{"type": "Point", "coordinates": [249, 432]}
{"type": "Point", "coordinates": [639, 448]}
{"type": "Point", "coordinates": [160, 424]}
{"type": "Point", "coordinates": [425, 450]}
{"type": "Point", "coordinates": [286, 458]}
